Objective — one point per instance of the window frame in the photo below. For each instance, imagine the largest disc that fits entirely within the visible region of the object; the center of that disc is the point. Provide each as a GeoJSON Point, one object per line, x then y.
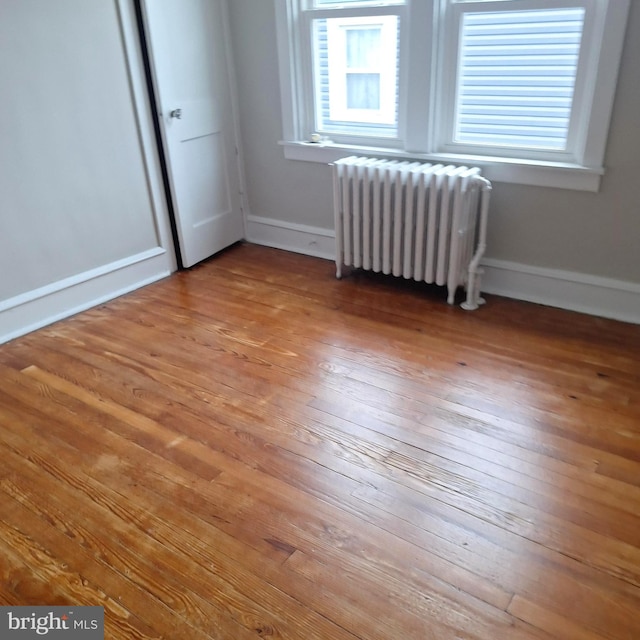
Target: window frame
{"type": "Point", "coordinates": [422, 107]}
{"type": "Point", "coordinates": [300, 69]}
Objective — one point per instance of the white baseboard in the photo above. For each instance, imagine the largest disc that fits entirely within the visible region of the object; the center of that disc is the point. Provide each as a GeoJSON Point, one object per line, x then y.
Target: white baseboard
{"type": "Point", "coordinates": [593, 295]}
{"type": "Point", "coordinates": [299, 238]}
{"type": "Point", "coordinates": [35, 309]}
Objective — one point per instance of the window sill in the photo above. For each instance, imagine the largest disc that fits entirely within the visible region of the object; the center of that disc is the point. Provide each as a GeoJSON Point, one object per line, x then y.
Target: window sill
{"type": "Point", "coordinates": [541, 174]}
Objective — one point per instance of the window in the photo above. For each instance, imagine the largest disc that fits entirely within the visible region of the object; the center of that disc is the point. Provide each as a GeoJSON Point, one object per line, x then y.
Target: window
{"type": "Point", "coordinates": [523, 88]}
{"type": "Point", "coordinates": [355, 79]}
{"type": "Point", "coordinates": [516, 77]}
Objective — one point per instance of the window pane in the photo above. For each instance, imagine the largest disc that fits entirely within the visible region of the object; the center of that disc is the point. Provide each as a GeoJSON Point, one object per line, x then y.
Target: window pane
{"type": "Point", "coordinates": [363, 48]}
{"type": "Point", "coordinates": [363, 91]}
{"type": "Point", "coordinates": [356, 75]}
{"type": "Point", "coordinates": [517, 76]}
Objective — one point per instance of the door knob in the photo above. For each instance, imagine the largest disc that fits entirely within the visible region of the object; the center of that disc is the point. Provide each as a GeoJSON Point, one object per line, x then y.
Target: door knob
{"type": "Point", "coordinates": [176, 113]}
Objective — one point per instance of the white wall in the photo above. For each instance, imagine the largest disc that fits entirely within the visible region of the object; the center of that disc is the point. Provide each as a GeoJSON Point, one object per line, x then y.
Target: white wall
{"type": "Point", "coordinates": [82, 216]}
{"type": "Point", "coordinates": [567, 248]}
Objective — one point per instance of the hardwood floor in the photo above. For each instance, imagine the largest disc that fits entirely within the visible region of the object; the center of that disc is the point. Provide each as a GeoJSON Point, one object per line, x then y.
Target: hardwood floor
{"type": "Point", "coordinates": [255, 449]}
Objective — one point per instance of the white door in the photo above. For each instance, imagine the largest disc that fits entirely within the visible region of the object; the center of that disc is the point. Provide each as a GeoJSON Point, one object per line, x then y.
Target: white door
{"type": "Point", "coordinates": [187, 46]}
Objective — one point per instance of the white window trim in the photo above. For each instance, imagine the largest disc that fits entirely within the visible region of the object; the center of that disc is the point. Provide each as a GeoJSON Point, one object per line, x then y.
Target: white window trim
{"type": "Point", "coordinates": [583, 175]}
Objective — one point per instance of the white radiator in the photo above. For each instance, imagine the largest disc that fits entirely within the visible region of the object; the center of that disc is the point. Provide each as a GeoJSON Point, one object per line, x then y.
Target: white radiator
{"type": "Point", "coordinates": [422, 221]}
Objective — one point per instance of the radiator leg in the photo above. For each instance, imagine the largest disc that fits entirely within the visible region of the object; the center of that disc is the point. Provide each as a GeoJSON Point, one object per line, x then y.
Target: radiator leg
{"type": "Point", "coordinates": [470, 304]}
{"type": "Point", "coordinates": [474, 300]}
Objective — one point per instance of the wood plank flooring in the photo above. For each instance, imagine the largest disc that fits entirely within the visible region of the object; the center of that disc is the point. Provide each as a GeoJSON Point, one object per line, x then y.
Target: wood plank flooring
{"type": "Point", "coordinates": [255, 449]}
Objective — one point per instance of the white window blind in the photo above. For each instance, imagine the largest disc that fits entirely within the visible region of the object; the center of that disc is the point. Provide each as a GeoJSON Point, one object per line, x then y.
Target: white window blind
{"type": "Point", "coordinates": [516, 77]}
